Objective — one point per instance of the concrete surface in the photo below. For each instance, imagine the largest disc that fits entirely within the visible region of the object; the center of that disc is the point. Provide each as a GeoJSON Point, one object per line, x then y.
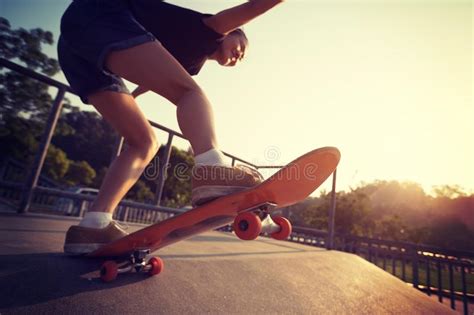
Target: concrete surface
{"type": "Point", "coordinates": [210, 273]}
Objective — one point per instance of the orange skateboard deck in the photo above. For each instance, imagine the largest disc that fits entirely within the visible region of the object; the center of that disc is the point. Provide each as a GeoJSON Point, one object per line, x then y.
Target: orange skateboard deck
{"type": "Point", "coordinates": [291, 184]}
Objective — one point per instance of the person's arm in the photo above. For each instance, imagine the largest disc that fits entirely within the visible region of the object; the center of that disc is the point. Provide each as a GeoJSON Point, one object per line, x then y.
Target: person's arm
{"type": "Point", "coordinates": [228, 20]}
{"type": "Point", "coordinates": [139, 91]}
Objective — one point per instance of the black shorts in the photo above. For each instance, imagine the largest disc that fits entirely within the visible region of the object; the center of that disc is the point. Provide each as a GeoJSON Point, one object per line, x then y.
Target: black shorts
{"type": "Point", "coordinates": [90, 29]}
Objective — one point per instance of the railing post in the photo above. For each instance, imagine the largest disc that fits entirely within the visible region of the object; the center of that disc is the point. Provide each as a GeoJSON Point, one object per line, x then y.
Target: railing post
{"type": "Point", "coordinates": [452, 295]}
{"type": "Point", "coordinates": [440, 282]}
{"type": "Point", "coordinates": [35, 170]}
{"type": "Point", "coordinates": [465, 301]}
{"type": "Point", "coordinates": [163, 167]}
{"type": "Point", "coordinates": [414, 261]}
{"type": "Point", "coordinates": [82, 209]}
{"type": "Point", "coordinates": [125, 214]}
{"type": "Point", "coordinates": [117, 148]}
{"type": "Point", "coordinates": [332, 213]}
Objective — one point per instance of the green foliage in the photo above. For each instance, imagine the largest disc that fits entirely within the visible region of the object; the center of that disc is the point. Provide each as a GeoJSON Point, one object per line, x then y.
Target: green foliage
{"type": "Point", "coordinates": [419, 234]}
{"type": "Point", "coordinates": [392, 197]}
{"type": "Point", "coordinates": [26, 104]}
{"type": "Point", "coordinates": [313, 212]}
{"type": "Point", "coordinates": [18, 138]}
{"type": "Point", "coordinates": [16, 90]}
{"type": "Point", "coordinates": [140, 192]}
{"type": "Point", "coordinates": [451, 233]}
{"type": "Point", "coordinates": [395, 211]}
{"type": "Point", "coordinates": [391, 228]}
{"type": "Point", "coordinates": [80, 173]}
{"type": "Point", "coordinates": [352, 210]}
{"type": "Point", "coordinates": [177, 192]}
{"type": "Point", "coordinates": [25, 46]}
{"type": "Point", "coordinates": [177, 189]}
{"type": "Point", "coordinates": [89, 139]}
{"type": "Point", "coordinates": [99, 177]}
{"type": "Point", "coordinates": [449, 191]}
{"type": "Point", "coordinates": [56, 163]}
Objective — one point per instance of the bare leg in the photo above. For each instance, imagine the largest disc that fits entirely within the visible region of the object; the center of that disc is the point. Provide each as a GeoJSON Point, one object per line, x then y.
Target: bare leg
{"type": "Point", "coordinates": [122, 112]}
{"type": "Point", "coordinates": [152, 66]}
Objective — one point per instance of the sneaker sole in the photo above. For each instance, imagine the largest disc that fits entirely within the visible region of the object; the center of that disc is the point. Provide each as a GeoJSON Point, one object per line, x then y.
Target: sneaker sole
{"type": "Point", "coordinates": [203, 194]}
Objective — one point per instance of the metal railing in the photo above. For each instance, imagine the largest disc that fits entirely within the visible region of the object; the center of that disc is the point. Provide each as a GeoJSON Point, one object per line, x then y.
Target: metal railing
{"type": "Point", "coordinates": [444, 273]}
{"type": "Point", "coordinates": [32, 180]}
{"type": "Point", "coordinates": [33, 197]}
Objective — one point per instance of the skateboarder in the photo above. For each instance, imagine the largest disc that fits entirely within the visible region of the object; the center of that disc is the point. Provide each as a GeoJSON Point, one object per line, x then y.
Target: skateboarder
{"type": "Point", "coordinates": [157, 46]}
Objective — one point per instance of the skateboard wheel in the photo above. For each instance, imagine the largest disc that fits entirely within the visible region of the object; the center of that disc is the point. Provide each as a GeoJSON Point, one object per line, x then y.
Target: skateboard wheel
{"type": "Point", "coordinates": [157, 266]}
{"type": "Point", "coordinates": [247, 226]}
{"type": "Point", "coordinates": [108, 271]}
{"type": "Point", "coordinates": [285, 228]}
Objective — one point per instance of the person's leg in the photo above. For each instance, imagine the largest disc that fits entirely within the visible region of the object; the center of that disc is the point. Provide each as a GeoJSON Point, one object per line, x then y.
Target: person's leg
{"type": "Point", "coordinates": [97, 227]}
{"type": "Point", "coordinates": [122, 112]}
{"type": "Point", "coordinates": [150, 65]}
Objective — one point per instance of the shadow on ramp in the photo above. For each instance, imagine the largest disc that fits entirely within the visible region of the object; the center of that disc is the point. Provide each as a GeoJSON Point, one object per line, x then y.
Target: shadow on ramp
{"type": "Point", "coordinates": [38, 278]}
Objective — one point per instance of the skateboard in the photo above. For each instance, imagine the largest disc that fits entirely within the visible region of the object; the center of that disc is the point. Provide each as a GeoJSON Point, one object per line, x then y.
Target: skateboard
{"type": "Point", "coordinates": [249, 210]}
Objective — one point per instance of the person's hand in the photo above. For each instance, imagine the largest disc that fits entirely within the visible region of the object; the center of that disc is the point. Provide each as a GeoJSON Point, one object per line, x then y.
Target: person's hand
{"type": "Point", "coordinates": [224, 22]}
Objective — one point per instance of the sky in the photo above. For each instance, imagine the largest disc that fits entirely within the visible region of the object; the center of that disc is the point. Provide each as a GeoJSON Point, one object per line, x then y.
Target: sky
{"type": "Point", "coordinates": [388, 82]}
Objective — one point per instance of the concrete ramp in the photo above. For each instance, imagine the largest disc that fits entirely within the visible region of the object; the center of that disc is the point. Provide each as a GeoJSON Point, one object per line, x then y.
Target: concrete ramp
{"type": "Point", "coordinates": [210, 273]}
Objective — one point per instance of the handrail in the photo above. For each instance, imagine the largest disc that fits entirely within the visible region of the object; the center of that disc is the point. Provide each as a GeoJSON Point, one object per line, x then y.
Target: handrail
{"type": "Point", "coordinates": [40, 77]}
{"type": "Point", "coordinates": [390, 243]}
{"type": "Point", "coordinates": [43, 78]}
{"type": "Point", "coordinates": [31, 183]}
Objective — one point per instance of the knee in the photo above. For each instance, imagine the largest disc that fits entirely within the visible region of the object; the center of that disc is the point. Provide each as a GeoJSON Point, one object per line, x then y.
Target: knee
{"type": "Point", "coordinates": [147, 146]}
{"type": "Point", "coordinates": [151, 146]}
{"type": "Point", "coordinates": [185, 90]}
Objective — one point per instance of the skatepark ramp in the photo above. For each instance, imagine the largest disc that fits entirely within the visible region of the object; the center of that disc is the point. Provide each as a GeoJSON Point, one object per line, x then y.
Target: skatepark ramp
{"type": "Point", "coordinates": [213, 272]}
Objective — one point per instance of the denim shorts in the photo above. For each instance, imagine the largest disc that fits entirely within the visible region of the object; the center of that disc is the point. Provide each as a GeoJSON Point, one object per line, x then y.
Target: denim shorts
{"type": "Point", "coordinates": [90, 29]}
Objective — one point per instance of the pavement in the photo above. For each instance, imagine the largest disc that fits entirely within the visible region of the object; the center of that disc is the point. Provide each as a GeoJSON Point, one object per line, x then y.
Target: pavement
{"type": "Point", "coordinates": [212, 273]}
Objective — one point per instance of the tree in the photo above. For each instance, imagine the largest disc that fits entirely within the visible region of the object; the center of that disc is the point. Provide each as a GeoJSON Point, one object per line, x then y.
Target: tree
{"type": "Point", "coordinates": [18, 138]}
{"type": "Point", "coordinates": [177, 188]}
{"type": "Point", "coordinates": [16, 90]}
{"type": "Point", "coordinates": [453, 234]}
{"type": "Point", "coordinates": [391, 228]}
{"type": "Point", "coordinates": [79, 173]}
{"type": "Point", "coordinates": [56, 163]}
{"type": "Point", "coordinates": [26, 102]}
{"type": "Point", "coordinates": [91, 138]}
{"type": "Point", "coordinates": [394, 211]}
{"type": "Point", "coordinates": [388, 198]}
{"type": "Point", "coordinates": [140, 192]}
{"type": "Point", "coordinates": [352, 211]}
{"type": "Point", "coordinates": [449, 191]}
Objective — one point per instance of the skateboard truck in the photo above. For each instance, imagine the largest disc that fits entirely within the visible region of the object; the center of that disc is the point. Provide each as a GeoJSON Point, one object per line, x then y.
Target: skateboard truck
{"type": "Point", "coordinates": [253, 221]}
{"type": "Point", "coordinates": [136, 261]}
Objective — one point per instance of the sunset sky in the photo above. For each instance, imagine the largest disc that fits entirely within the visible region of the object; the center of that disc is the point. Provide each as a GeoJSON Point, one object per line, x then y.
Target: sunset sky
{"type": "Point", "coordinates": [388, 82]}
